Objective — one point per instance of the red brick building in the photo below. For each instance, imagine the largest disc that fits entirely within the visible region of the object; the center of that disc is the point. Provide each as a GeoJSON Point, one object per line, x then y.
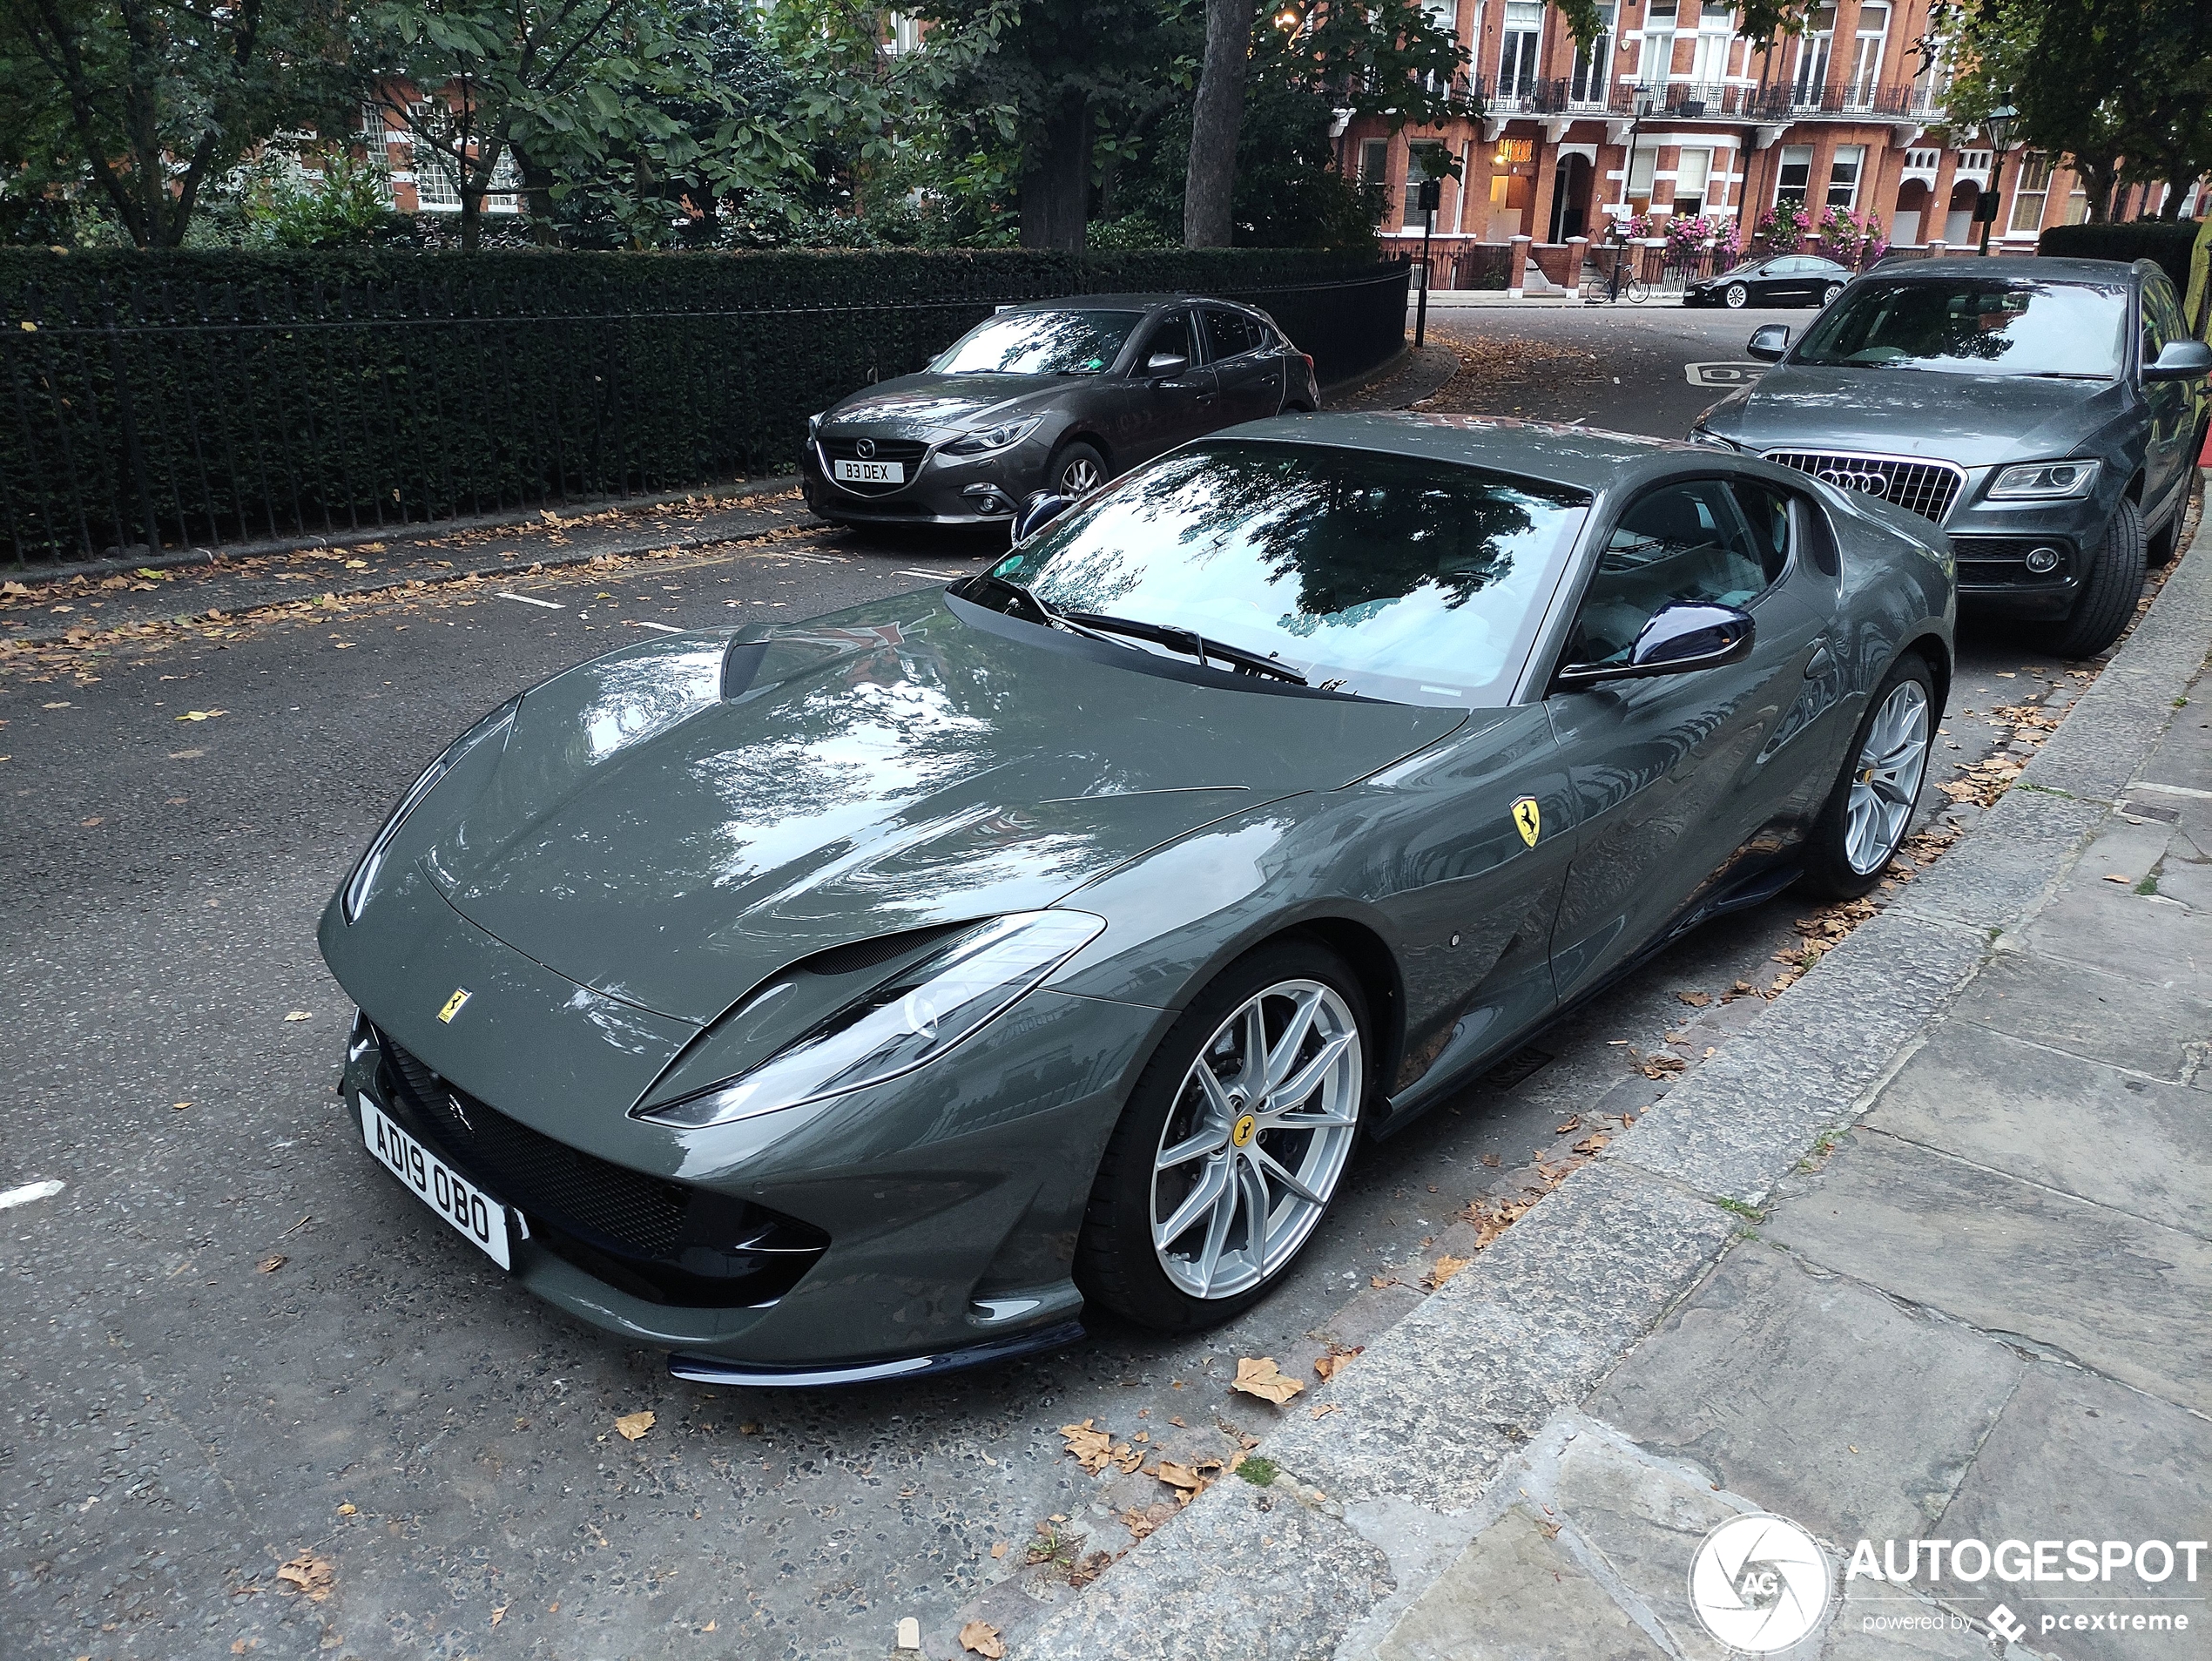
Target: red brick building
{"type": "Point", "coordinates": [1670, 114]}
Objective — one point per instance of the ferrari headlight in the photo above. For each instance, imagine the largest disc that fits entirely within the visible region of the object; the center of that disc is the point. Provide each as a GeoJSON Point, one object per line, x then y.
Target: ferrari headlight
{"type": "Point", "coordinates": [1706, 435]}
{"type": "Point", "coordinates": [899, 1023]}
{"type": "Point", "coordinates": [991, 438]}
{"type": "Point", "coordinates": [493, 725]}
{"type": "Point", "coordinates": [2044, 481]}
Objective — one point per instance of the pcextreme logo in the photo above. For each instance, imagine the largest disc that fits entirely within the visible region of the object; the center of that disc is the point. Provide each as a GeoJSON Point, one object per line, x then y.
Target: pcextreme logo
{"type": "Point", "coordinates": [1759, 1583]}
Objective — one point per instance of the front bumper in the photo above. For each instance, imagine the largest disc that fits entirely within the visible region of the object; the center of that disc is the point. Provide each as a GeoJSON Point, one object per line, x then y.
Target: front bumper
{"type": "Point", "coordinates": [941, 488]}
{"type": "Point", "coordinates": [1998, 547]}
{"type": "Point", "coordinates": [924, 1224]}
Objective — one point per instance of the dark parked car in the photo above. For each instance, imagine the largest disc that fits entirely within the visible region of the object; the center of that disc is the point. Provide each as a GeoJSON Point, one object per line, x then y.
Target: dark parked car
{"type": "Point", "coordinates": [1785, 280]}
{"type": "Point", "coordinates": [1059, 396]}
{"type": "Point", "coordinates": [868, 996]}
{"type": "Point", "coordinates": [2047, 413]}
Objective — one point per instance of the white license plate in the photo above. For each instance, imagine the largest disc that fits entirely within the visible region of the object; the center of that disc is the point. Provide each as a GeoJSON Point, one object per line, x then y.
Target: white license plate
{"type": "Point", "coordinates": [465, 1206]}
{"type": "Point", "coordinates": [868, 472]}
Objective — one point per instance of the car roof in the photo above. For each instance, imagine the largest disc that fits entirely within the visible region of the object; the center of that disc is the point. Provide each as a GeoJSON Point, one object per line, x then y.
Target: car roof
{"type": "Point", "coordinates": [1119, 302]}
{"type": "Point", "coordinates": [2025, 266]}
{"type": "Point", "coordinates": [1587, 458]}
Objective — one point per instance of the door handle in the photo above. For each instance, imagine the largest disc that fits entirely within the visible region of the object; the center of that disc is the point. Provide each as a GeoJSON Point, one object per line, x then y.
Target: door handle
{"type": "Point", "coordinates": [1823, 661]}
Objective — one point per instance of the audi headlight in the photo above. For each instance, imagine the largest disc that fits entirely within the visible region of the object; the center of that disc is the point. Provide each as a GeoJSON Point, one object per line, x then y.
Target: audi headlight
{"type": "Point", "coordinates": [2045, 480]}
{"type": "Point", "coordinates": [493, 725]}
{"type": "Point", "coordinates": [992, 438]}
{"type": "Point", "coordinates": [898, 1024]}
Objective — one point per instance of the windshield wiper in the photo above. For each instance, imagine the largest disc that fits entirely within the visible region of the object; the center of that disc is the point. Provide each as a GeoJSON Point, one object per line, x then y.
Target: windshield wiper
{"type": "Point", "coordinates": [1098, 625]}
{"type": "Point", "coordinates": [2067, 375]}
{"type": "Point", "coordinates": [1190, 642]}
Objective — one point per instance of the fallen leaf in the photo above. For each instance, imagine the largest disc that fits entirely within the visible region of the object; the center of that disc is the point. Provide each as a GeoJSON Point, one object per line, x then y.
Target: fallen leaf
{"type": "Point", "coordinates": [1593, 1143]}
{"type": "Point", "coordinates": [979, 1638]}
{"type": "Point", "coordinates": [1263, 1379]}
{"type": "Point", "coordinates": [348, 1509]}
{"type": "Point", "coordinates": [748, 1428]}
{"type": "Point", "coordinates": [1573, 1122]}
{"type": "Point", "coordinates": [499, 1615]}
{"type": "Point", "coordinates": [298, 1014]}
{"type": "Point", "coordinates": [1190, 1478]}
{"type": "Point", "coordinates": [633, 1425]}
{"type": "Point", "coordinates": [356, 564]}
{"type": "Point", "coordinates": [309, 1574]}
{"type": "Point", "coordinates": [1140, 1523]}
{"type": "Point", "coordinates": [999, 1550]}
{"type": "Point", "coordinates": [199, 714]}
{"type": "Point", "coordinates": [1091, 1447]}
{"type": "Point", "coordinates": [1320, 1408]}
{"type": "Point", "coordinates": [180, 1106]}
{"type": "Point", "coordinates": [270, 1264]}
{"type": "Point", "coordinates": [1178, 1424]}
{"type": "Point", "coordinates": [1379, 1281]}
{"type": "Point", "coordinates": [1549, 1530]}
{"type": "Point", "coordinates": [1492, 1160]}
{"type": "Point", "coordinates": [1696, 1000]}
{"type": "Point", "coordinates": [1335, 1362]}
{"type": "Point", "coordinates": [1446, 1266]}
{"type": "Point", "coordinates": [2110, 876]}
{"type": "Point", "coordinates": [89, 823]}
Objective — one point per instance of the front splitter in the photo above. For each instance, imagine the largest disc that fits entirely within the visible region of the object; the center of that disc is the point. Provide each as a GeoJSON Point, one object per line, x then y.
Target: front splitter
{"type": "Point", "coordinates": [708, 1369]}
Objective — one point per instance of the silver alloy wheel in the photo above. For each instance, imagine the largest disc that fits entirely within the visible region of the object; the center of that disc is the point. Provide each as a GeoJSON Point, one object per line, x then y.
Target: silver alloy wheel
{"type": "Point", "coordinates": [1257, 1139]}
{"type": "Point", "coordinates": [1886, 779]}
{"type": "Point", "coordinates": [1079, 478]}
{"type": "Point", "coordinates": [1736, 295]}
{"type": "Point", "coordinates": [1831, 293]}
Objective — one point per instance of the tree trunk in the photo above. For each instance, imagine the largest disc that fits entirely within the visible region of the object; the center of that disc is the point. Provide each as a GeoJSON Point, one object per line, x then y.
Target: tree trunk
{"type": "Point", "coordinates": [1055, 176]}
{"type": "Point", "coordinates": [538, 197]}
{"type": "Point", "coordinates": [1215, 117]}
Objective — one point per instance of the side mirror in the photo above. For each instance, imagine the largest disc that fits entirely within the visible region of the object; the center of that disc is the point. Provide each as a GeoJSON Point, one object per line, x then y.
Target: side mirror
{"type": "Point", "coordinates": [1166, 365]}
{"type": "Point", "coordinates": [1685, 636]}
{"type": "Point", "coordinates": [2181, 361]}
{"type": "Point", "coordinates": [1039, 509]}
{"type": "Point", "coordinates": [1769, 341]}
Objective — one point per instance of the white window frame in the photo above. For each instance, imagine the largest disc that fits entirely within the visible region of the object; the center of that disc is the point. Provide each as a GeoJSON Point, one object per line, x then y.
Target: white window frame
{"type": "Point", "coordinates": [1851, 156]}
{"type": "Point", "coordinates": [2040, 195]}
{"type": "Point", "coordinates": [1782, 190]}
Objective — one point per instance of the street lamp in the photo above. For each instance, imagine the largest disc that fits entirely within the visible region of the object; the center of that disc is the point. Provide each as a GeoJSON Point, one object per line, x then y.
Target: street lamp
{"type": "Point", "coordinates": [1643, 102]}
{"type": "Point", "coordinates": [1999, 122]}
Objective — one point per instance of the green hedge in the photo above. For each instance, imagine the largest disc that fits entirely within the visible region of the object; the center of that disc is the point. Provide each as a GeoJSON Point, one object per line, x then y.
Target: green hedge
{"type": "Point", "coordinates": [2143, 239]}
{"type": "Point", "coordinates": [219, 397]}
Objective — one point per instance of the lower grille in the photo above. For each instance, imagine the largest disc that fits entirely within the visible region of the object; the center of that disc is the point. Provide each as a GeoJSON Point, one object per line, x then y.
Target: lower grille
{"type": "Point", "coordinates": [661, 1241]}
{"type": "Point", "coordinates": [907, 452]}
{"type": "Point", "coordinates": [1928, 489]}
{"type": "Point", "coordinates": [2002, 561]}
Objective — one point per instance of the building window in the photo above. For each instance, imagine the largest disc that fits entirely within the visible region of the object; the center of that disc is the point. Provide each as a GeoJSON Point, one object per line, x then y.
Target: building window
{"type": "Point", "coordinates": [1517, 62]}
{"type": "Point", "coordinates": [1424, 160]}
{"type": "Point", "coordinates": [1691, 173]}
{"type": "Point", "coordinates": [1642, 166]}
{"type": "Point", "coordinates": [2029, 195]}
{"type": "Point", "coordinates": [434, 190]}
{"type": "Point", "coordinates": [1794, 179]}
{"type": "Point", "coordinates": [1592, 63]}
{"type": "Point", "coordinates": [1374, 160]}
{"type": "Point", "coordinates": [1708, 63]}
{"type": "Point", "coordinates": [1843, 175]}
{"type": "Point", "coordinates": [1444, 14]}
{"type": "Point", "coordinates": [906, 35]}
{"type": "Point", "coordinates": [1866, 60]}
{"type": "Point", "coordinates": [2077, 205]}
{"type": "Point", "coordinates": [1810, 83]}
{"type": "Point", "coordinates": [1920, 161]}
{"type": "Point", "coordinates": [1656, 58]}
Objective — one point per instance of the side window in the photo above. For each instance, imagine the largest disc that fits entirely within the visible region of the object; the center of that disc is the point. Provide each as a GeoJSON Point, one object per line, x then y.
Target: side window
{"type": "Point", "coordinates": [1766, 515]}
{"type": "Point", "coordinates": [1683, 543]}
{"type": "Point", "coordinates": [2163, 320]}
{"type": "Point", "coordinates": [1232, 333]}
{"type": "Point", "coordinates": [1178, 333]}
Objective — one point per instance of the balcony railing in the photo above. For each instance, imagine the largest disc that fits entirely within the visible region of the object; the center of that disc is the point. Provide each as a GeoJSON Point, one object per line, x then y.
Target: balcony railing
{"type": "Point", "coordinates": [1708, 101]}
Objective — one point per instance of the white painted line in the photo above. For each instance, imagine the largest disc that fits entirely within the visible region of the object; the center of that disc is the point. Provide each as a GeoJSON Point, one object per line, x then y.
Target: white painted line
{"type": "Point", "coordinates": [816, 559]}
{"type": "Point", "coordinates": [640, 623]}
{"type": "Point", "coordinates": [11, 1198]}
{"type": "Point", "coordinates": [2172, 790]}
{"type": "Point", "coordinates": [550, 605]}
{"type": "Point", "coordinates": [934, 577]}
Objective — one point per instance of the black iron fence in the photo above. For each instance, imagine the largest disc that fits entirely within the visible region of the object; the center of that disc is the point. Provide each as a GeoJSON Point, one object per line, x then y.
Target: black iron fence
{"type": "Point", "coordinates": [1714, 101]}
{"type": "Point", "coordinates": [166, 401]}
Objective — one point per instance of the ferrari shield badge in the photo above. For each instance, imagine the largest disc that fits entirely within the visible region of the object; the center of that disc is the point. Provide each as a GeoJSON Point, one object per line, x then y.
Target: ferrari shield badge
{"type": "Point", "coordinates": [1526, 819]}
{"type": "Point", "coordinates": [461, 993]}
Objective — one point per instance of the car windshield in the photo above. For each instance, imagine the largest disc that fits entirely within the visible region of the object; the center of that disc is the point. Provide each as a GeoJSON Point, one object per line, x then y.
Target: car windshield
{"type": "Point", "coordinates": [1393, 577]}
{"type": "Point", "coordinates": [1976, 325]}
{"type": "Point", "coordinates": [1039, 343]}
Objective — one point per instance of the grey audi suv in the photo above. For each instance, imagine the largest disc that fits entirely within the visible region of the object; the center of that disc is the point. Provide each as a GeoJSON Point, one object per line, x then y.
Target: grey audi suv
{"type": "Point", "coordinates": [2048, 413]}
{"type": "Point", "coordinates": [1058, 394]}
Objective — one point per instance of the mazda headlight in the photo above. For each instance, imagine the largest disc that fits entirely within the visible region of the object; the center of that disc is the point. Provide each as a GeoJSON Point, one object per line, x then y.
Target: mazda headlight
{"type": "Point", "coordinates": [814, 424]}
{"type": "Point", "coordinates": [899, 1023]}
{"type": "Point", "coordinates": [493, 726]}
{"type": "Point", "coordinates": [2045, 481]}
{"type": "Point", "coordinates": [992, 438]}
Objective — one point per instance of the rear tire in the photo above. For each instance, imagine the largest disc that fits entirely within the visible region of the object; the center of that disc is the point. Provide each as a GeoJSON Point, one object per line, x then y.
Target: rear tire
{"type": "Point", "coordinates": [1828, 295]}
{"type": "Point", "coordinates": [1886, 766]}
{"type": "Point", "coordinates": [1152, 1250]}
{"type": "Point", "coordinates": [2109, 597]}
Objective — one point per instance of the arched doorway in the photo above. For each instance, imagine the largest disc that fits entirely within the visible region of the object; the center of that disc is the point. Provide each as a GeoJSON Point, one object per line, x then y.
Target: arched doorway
{"type": "Point", "coordinates": [1571, 198]}
{"type": "Point", "coordinates": [1909, 219]}
{"type": "Point", "coordinates": [1959, 219]}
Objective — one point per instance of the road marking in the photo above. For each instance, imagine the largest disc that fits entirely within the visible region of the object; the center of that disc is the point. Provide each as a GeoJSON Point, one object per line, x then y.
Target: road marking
{"type": "Point", "coordinates": [934, 577]}
{"type": "Point", "coordinates": [14, 1197]}
{"type": "Point", "coordinates": [1723, 374]}
{"type": "Point", "coordinates": [818, 559]}
{"type": "Point", "coordinates": [640, 623]}
{"type": "Point", "coordinates": [2173, 790]}
{"type": "Point", "coordinates": [550, 605]}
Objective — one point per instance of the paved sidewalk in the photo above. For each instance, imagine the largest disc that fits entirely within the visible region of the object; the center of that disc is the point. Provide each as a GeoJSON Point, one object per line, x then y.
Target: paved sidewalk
{"type": "Point", "coordinates": [1927, 1255]}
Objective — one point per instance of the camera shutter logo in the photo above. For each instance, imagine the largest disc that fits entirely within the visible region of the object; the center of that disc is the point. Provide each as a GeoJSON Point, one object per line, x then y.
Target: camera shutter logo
{"type": "Point", "coordinates": [1759, 1583]}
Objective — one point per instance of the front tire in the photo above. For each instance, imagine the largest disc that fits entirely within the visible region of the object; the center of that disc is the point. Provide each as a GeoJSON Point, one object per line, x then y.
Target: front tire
{"type": "Point", "coordinates": [1829, 294]}
{"type": "Point", "coordinates": [1233, 1144]}
{"type": "Point", "coordinates": [1737, 296]}
{"type": "Point", "coordinates": [2109, 597]}
{"type": "Point", "coordinates": [1864, 823]}
{"type": "Point", "coordinates": [1077, 468]}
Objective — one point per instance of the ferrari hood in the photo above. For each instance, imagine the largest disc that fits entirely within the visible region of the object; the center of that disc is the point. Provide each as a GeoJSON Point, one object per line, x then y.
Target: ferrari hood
{"type": "Point", "coordinates": [671, 825]}
{"type": "Point", "coordinates": [925, 405]}
{"type": "Point", "coordinates": [1971, 420]}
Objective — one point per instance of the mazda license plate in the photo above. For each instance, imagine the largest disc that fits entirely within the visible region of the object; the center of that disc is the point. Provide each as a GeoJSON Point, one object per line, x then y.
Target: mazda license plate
{"type": "Point", "coordinates": [868, 472]}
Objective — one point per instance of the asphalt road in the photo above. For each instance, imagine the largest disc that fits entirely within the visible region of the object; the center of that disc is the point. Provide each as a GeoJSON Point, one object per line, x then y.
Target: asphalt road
{"type": "Point", "coordinates": [234, 1345]}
